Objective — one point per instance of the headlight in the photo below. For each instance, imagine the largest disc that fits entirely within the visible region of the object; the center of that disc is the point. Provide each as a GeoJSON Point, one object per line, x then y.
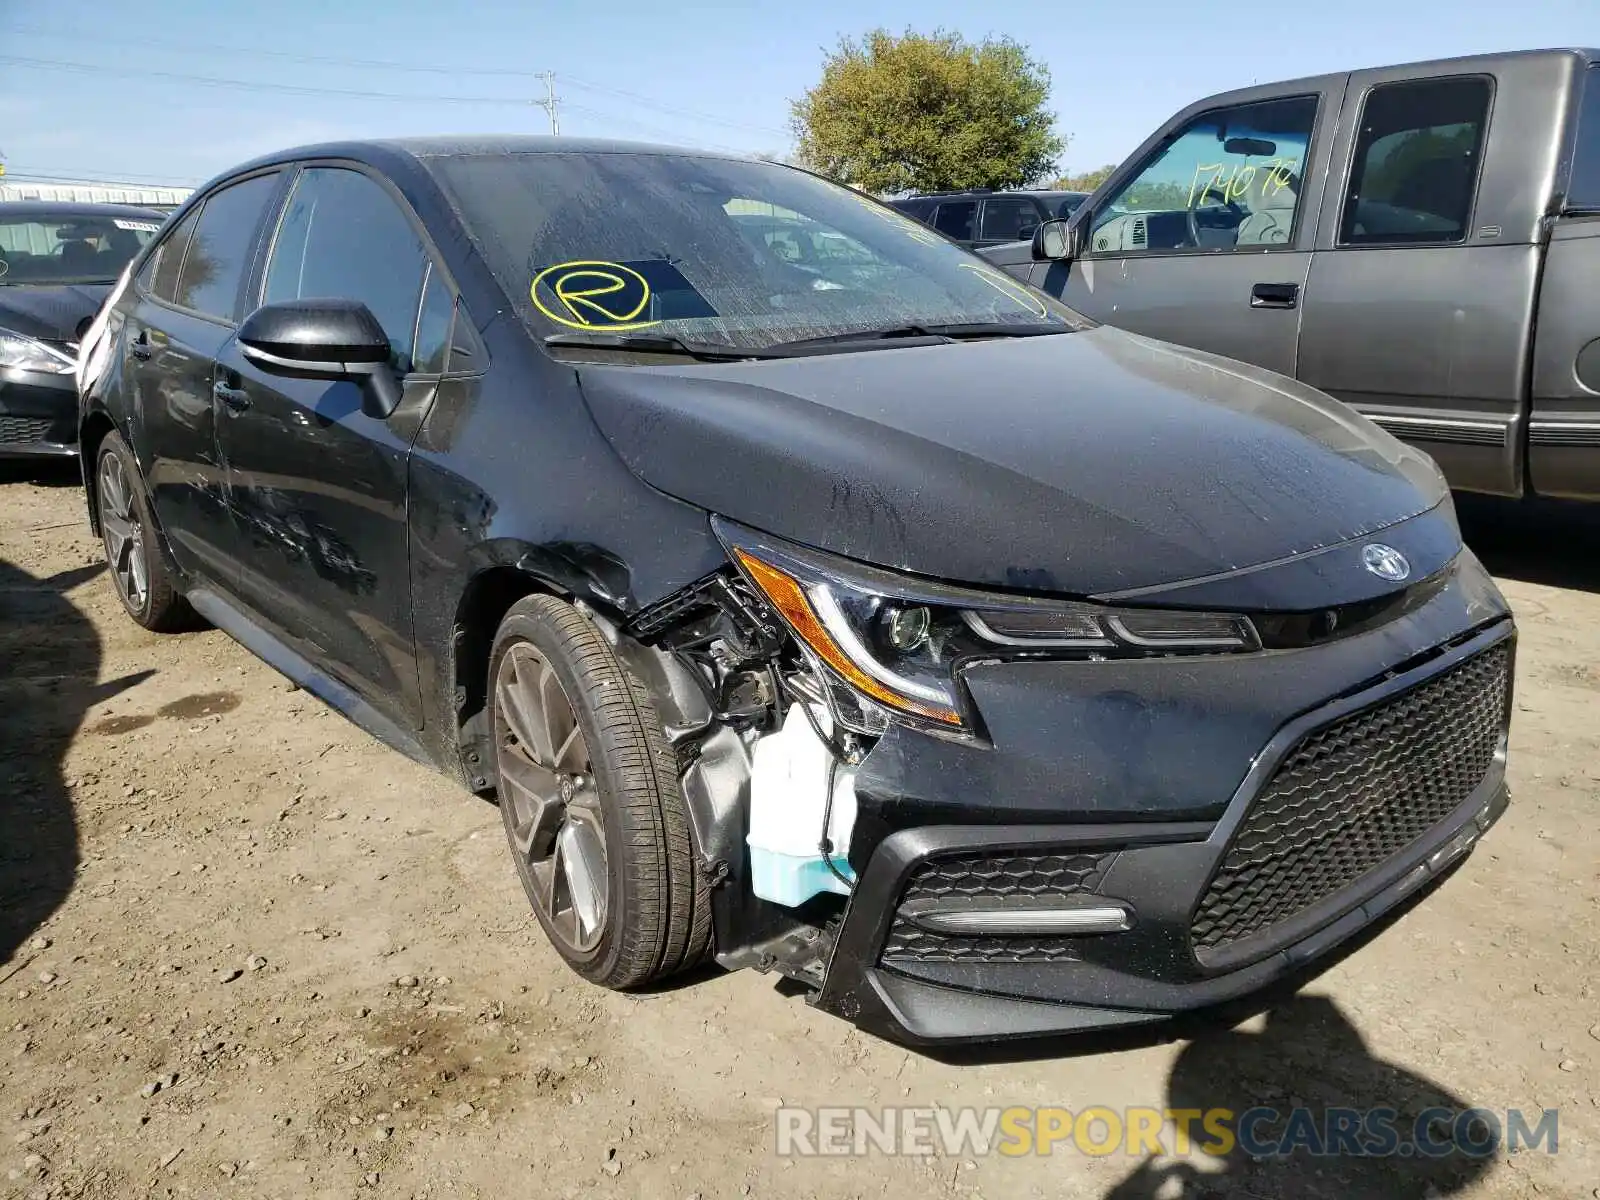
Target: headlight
{"type": "Point", "coordinates": [29, 354]}
{"type": "Point", "coordinates": [899, 643]}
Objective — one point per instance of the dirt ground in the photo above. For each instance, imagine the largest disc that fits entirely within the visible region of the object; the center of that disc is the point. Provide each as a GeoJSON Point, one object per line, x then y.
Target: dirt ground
{"type": "Point", "coordinates": [247, 951]}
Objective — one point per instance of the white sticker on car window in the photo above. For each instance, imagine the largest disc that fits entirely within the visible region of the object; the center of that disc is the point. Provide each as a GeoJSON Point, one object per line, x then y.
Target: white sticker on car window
{"type": "Point", "coordinates": [140, 226]}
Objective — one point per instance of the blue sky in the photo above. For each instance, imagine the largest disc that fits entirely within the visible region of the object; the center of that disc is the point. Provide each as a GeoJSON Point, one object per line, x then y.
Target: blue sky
{"type": "Point", "coordinates": [716, 74]}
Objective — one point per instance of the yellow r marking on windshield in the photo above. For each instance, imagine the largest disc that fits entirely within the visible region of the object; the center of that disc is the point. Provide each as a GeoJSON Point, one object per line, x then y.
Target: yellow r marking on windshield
{"type": "Point", "coordinates": [595, 294]}
{"type": "Point", "coordinates": [1007, 286]}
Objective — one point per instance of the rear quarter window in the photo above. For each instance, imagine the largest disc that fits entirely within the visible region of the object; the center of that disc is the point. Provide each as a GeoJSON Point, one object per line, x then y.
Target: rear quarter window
{"type": "Point", "coordinates": [1583, 193]}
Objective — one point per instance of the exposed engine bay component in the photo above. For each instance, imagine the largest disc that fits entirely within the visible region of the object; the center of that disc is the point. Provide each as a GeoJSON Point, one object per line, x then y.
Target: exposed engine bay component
{"type": "Point", "coordinates": [767, 742]}
{"type": "Point", "coordinates": [802, 806]}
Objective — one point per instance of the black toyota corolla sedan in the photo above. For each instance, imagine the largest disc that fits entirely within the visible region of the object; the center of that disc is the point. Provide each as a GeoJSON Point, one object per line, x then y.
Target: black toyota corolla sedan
{"type": "Point", "coordinates": [862, 615]}
{"type": "Point", "coordinates": [57, 262]}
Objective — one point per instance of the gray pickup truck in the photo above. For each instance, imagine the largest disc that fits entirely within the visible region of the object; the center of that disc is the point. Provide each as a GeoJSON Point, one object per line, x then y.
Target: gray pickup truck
{"type": "Point", "coordinates": [1422, 242]}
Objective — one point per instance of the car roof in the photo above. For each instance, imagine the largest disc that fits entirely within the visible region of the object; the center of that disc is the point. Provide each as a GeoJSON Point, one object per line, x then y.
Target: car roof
{"type": "Point", "coordinates": [76, 208]}
{"type": "Point", "coordinates": [382, 151]}
{"type": "Point", "coordinates": [1042, 193]}
{"type": "Point", "coordinates": [1464, 63]}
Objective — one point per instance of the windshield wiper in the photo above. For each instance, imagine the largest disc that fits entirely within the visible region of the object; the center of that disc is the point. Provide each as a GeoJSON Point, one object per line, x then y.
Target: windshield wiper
{"type": "Point", "coordinates": [655, 343]}
{"type": "Point", "coordinates": [949, 331]}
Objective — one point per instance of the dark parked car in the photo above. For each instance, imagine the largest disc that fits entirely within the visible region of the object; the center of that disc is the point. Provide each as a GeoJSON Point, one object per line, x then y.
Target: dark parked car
{"type": "Point", "coordinates": [978, 219]}
{"type": "Point", "coordinates": [57, 262]}
{"type": "Point", "coordinates": [881, 622]}
{"type": "Point", "coordinates": [1419, 241]}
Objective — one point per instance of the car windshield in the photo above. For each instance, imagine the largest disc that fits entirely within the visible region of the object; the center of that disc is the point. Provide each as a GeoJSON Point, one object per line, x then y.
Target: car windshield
{"type": "Point", "coordinates": [70, 247]}
{"type": "Point", "coordinates": [717, 251]}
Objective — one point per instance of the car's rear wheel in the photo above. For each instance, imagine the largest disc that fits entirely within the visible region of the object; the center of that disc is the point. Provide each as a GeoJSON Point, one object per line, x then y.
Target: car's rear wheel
{"type": "Point", "coordinates": [588, 790]}
{"type": "Point", "coordinates": [144, 582]}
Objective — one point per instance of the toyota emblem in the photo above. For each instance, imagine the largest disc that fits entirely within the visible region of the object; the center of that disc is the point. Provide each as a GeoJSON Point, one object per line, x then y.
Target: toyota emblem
{"type": "Point", "coordinates": [1385, 562]}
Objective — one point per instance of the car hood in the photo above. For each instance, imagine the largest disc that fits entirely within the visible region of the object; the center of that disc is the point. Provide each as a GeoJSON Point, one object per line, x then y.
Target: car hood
{"type": "Point", "coordinates": [56, 313]}
{"type": "Point", "coordinates": [1082, 463]}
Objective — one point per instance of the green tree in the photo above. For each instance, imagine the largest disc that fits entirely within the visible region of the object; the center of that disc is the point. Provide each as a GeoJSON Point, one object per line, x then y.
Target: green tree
{"type": "Point", "coordinates": [1085, 181]}
{"type": "Point", "coordinates": [928, 112]}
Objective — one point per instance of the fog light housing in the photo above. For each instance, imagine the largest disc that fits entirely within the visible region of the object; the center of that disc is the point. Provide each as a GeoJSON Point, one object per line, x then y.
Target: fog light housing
{"type": "Point", "coordinates": [1062, 918]}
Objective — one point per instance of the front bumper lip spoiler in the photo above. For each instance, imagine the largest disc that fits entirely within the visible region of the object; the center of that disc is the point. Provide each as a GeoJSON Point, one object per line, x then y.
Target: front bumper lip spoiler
{"type": "Point", "coordinates": [1160, 867]}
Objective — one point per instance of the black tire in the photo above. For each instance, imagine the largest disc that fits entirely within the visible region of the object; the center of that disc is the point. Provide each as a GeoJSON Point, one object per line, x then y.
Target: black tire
{"type": "Point", "coordinates": [657, 917]}
{"type": "Point", "coordinates": [132, 546]}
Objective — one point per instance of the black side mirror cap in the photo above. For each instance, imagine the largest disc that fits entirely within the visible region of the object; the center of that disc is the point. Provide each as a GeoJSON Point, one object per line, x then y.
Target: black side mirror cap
{"type": "Point", "coordinates": [324, 339]}
{"type": "Point", "coordinates": [1055, 240]}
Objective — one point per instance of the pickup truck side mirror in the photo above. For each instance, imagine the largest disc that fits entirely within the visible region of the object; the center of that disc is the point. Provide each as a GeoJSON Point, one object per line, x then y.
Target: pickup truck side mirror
{"type": "Point", "coordinates": [324, 339]}
{"type": "Point", "coordinates": [1054, 241]}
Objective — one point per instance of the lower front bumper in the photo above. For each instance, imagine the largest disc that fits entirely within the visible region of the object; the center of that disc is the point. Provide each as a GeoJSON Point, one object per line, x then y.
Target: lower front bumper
{"type": "Point", "coordinates": [882, 980]}
{"type": "Point", "coordinates": [38, 415]}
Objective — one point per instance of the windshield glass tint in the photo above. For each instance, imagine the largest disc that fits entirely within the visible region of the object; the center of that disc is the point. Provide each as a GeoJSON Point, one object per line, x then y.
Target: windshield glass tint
{"type": "Point", "coordinates": [714, 250]}
{"type": "Point", "coordinates": [70, 248]}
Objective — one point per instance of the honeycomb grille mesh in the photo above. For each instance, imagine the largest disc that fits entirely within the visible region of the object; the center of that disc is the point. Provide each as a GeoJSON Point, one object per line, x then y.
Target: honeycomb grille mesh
{"type": "Point", "coordinates": [992, 877]}
{"type": "Point", "coordinates": [24, 429]}
{"type": "Point", "coordinates": [1352, 795]}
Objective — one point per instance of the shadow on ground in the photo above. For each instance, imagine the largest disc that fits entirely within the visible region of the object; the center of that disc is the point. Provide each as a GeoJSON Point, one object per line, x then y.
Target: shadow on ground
{"type": "Point", "coordinates": [44, 472]}
{"type": "Point", "coordinates": [1307, 1054]}
{"type": "Point", "coordinates": [49, 668]}
{"type": "Point", "coordinates": [1537, 541]}
{"type": "Point", "coordinates": [1306, 1072]}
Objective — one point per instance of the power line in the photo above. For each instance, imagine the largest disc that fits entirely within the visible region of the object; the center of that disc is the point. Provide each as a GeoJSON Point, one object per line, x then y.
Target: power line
{"type": "Point", "coordinates": [423, 68]}
{"type": "Point", "coordinates": [50, 64]}
{"type": "Point", "coordinates": [90, 174]}
{"type": "Point", "coordinates": [673, 110]}
{"type": "Point", "coordinates": [144, 183]}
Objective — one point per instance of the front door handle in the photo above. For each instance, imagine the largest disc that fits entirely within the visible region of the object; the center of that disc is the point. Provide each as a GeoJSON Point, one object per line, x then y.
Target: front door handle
{"type": "Point", "coordinates": [1275, 295]}
{"type": "Point", "coordinates": [235, 399]}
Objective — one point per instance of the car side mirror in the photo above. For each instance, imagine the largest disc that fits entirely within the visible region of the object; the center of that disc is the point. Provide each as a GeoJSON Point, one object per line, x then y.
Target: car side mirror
{"type": "Point", "coordinates": [324, 339]}
{"type": "Point", "coordinates": [1055, 240]}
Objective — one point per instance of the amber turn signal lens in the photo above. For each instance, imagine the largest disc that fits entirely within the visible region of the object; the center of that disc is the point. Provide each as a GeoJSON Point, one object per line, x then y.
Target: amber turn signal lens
{"type": "Point", "coordinates": [790, 600]}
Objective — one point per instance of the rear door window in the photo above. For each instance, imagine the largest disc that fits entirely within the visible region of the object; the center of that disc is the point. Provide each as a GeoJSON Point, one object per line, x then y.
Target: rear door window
{"type": "Point", "coordinates": [1415, 168]}
{"type": "Point", "coordinates": [219, 254]}
{"type": "Point", "coordinates": [161, 272]}
{"type": "Point", "coordinates": [1009, 219]}
{"type": "Point", "coordinates": [955, 219]}
{"type": "Point", "coordinates": [343, 237]}
{"type": "Point", "coordinates": [1583, 193]}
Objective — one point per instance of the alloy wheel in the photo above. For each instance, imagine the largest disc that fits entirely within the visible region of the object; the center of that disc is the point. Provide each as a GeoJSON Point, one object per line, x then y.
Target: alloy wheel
{"type": "Point", "coordinates": [123, 532]}
{"type": "Point", "coordinates": [546, 779]}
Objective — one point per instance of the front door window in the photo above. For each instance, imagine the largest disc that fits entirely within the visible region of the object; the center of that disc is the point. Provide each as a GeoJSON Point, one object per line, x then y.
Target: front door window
{"type": "Point", "coordinates": [1229, 179]}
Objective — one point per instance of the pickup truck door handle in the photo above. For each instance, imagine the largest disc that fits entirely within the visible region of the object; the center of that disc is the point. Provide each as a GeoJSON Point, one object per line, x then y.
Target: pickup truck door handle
{"type": "Point", "coordinates": [1275, 295]}
{"type": "Point", "coordinates": [235, 399]}
{"type": "Point", "coordinates": [141, 346]}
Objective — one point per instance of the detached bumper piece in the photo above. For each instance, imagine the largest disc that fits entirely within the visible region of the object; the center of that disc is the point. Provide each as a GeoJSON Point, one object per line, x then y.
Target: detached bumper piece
{"type": "Point", "coordinates": [959, 933]}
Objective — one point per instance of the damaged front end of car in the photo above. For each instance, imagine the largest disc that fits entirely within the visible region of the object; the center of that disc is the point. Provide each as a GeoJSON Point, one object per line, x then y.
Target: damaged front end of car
{"type": "Point", "coordinates": [955, 815]}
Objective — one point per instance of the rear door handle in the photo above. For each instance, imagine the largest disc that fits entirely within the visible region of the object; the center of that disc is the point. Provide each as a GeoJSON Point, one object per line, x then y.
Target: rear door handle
{"type": "Point", "coordinates": [233, 398]}
{"type": "Point", "coordinates": [141, 346]}
{"type": "Point", "coordinates": [1275, 295]}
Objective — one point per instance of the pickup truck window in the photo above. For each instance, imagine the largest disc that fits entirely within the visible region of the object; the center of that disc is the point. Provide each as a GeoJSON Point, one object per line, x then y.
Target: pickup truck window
{"type": "Point", "coordinates": [1229, 179]}
{"type": "Point", "coordinates": [1415, 167]}
{"type": "Point", "coordinates": [1583, 194]}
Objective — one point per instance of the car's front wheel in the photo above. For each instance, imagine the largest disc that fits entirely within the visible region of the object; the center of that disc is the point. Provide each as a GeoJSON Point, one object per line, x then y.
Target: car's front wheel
{"type": "Point", "coordinates": [144, 582]}
{"type": "Point", "coordinates": [588, 790]}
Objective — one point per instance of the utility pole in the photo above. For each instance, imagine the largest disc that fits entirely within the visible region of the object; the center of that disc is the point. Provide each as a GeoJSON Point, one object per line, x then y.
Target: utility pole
{"type": "Point", "coordinates": [549, 102]}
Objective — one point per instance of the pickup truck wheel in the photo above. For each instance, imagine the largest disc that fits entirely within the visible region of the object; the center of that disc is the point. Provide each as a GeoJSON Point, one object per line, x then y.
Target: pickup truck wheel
{"type": "Point", "coordinates": [588, 791]}
{"type": "Point", "coordinates": [143, 580]}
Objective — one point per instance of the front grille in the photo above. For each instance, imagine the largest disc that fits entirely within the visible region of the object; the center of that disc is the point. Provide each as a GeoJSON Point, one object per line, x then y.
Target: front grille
{"type": "Point", "coordinates": [24, 429]}
{"type": "Point", "coordinates": [1350, 796]}
{"type": "Point", "coordinates": [992, 877]}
